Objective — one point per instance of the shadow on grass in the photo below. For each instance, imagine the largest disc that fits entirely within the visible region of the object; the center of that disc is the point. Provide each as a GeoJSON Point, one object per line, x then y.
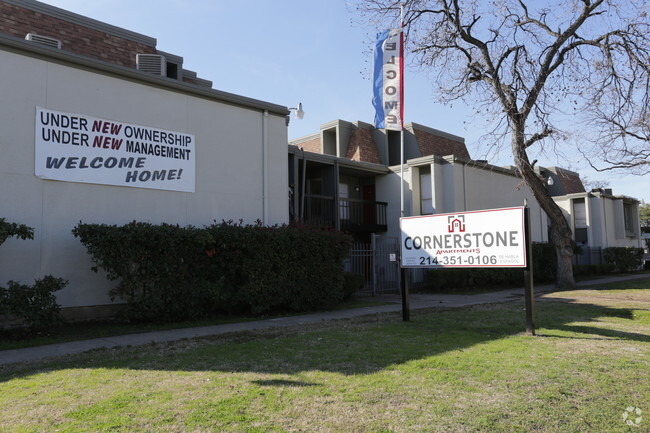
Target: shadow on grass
{"type": "Point", "coordinates": [284, 383]}
{"type": "Point", "coordinates": [350, 347]}
{"type": "Point", "coordinates": [631, 284]}
{"type": "Point", "coordinates": [605, 334]}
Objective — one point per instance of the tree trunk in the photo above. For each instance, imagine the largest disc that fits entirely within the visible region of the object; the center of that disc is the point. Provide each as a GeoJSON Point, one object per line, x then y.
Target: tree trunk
{"type": "Point", "coordinates": [560, 231]}
{"type": "Point", "coordinates": [564, 252]}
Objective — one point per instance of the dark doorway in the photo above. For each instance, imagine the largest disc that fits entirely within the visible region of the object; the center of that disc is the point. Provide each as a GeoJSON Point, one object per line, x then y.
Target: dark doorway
{"type": "Point", "coordinates": [368, 195]}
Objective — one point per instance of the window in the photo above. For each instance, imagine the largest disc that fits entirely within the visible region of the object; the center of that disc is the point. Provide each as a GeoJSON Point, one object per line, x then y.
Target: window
{"type": "Point", "coordinates": [426, 195]}
{"type": "Point", "coordinates": [580, 220]}
{"type": "Point", "coordinates": [630, 218]}
{"type": "Point", "coordinates": [314, 186]}
{"type": "Point", "coordinates": [344, 207]}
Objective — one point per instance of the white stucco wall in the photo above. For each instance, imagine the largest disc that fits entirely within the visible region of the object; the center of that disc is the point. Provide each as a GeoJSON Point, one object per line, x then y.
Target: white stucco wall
{"type": "Point", "coordinates": [488, 189]}
{"type": "Point", "coordinates": [605, 220]}
{"type": "Point", "coordinates": [609, 229]}
{"type": "Point", "coordinates": [456, 188]}
{"type": "Point", "coordinates": [231, 168]}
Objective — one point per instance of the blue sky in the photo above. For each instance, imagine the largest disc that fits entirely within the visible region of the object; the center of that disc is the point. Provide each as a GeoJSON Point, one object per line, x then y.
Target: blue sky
{"type": "Point", "coordinates": [309, 51]}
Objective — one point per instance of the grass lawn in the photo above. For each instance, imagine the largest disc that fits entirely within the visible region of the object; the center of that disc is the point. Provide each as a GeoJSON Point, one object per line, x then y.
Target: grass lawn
{"type": "Point", "coordinates": [461, 370]}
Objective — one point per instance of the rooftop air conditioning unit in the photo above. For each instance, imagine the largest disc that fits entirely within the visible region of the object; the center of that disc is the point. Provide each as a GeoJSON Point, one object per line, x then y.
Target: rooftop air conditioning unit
{"type": "Point", "coordinates": [151, 63]}
{"type": "Point", "coordinates": [43, 40]}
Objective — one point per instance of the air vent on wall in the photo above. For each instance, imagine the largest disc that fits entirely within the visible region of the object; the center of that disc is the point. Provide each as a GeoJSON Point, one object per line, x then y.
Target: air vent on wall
{"type": "Point", "coordinates": [151, 63]}
{"type": "Point", "coordinates": [43, 40]}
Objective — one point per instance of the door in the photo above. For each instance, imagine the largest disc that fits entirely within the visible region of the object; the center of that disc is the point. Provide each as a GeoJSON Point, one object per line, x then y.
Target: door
{"type": "Point", "coordinates": [369, 211]}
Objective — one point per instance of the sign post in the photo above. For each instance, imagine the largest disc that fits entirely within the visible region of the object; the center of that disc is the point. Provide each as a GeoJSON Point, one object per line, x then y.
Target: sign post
{"type": "Point", "coordinates": [406, 313]}
{"type": "Point", "coordinates": [528, 277]}
{"type": "Point", "coordinates": [490, 238]}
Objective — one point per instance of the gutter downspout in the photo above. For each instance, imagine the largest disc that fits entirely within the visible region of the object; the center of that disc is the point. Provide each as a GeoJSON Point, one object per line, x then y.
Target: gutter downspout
{"type": "Point", "coordinates": [265, 174]}
{"type": "Point", "coordinates": [604, 207]}
{"type": "Point", "coordinates": [464, 186]}
{"type": "Point", "coordinates": [302, 187]}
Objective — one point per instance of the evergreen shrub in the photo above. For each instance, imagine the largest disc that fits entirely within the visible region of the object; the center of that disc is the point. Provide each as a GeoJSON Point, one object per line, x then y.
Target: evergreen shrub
{"type": "Point", "coordinates": [20, 231]}
{"type": "Point", "coordinates": [464, 279]}
{"type": "Point", "coordinates": [624, 259]}
{"type": "Point", "coordinates": [352, 283]}
{"type": "Point", "coordinates": [34, 306]}
{"type": "Point", "coordinates": [168, 273]}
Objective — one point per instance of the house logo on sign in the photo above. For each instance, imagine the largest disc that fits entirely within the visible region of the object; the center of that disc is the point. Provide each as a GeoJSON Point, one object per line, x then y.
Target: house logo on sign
{"type": "Point", "coordinates": [456, 223]}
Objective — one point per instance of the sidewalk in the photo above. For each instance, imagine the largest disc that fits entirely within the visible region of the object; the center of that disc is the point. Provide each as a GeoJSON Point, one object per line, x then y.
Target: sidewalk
{"type": "Point", "coordinates": [416, 301]}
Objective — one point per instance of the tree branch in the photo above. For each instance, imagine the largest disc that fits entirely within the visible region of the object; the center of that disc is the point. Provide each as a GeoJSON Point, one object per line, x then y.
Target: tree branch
{"type": "Point", "coordinates": [538, 136]}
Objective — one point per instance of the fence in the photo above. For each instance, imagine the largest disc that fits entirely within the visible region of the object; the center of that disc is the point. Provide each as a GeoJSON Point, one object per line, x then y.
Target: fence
{"type": "Point", "coordinates": [589, 256]}
{"type": "Point", "coordinates": [372, 260]}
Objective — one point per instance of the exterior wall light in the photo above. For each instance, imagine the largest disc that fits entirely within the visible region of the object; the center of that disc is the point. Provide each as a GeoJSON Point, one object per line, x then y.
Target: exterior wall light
{"type": "Point", "coordinates": [299, 112]}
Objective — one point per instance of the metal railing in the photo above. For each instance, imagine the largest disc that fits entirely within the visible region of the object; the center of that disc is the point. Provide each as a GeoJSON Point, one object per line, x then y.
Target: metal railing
{"type": "Point", "coordinates": [363, 214]}
{"type": "Point", "coordinates": [354, 215]}
{"type": "Point", "coordinates": [319, 210]}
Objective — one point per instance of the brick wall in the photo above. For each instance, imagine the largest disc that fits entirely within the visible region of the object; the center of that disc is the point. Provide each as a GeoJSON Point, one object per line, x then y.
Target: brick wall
{"type": "Point", "coordinates": [431, 144]}
{"type": "Point", "coordinates": [570, 182]}
{"type": "Point", "coordinates": [362, 147]}
{"type": "Point", "coordinates": [16, 21]}
{"type": "Point", "coordinates": [312, 145]}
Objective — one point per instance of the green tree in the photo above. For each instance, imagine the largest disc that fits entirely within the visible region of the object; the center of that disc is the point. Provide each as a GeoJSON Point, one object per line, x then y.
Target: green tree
{"type": "Point", "coordinates": [644, 216]}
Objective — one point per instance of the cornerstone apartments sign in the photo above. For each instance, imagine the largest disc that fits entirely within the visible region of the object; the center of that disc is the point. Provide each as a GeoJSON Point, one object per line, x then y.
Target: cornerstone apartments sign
{"type": "Point", "coordinates": [80, 148]}
{"type": "Point", "coordinates": [484, 238]}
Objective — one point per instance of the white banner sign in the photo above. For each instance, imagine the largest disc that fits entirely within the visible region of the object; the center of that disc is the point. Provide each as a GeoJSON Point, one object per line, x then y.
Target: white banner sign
{"type": "Point", "coordinates": [484, 238]}
{"type": "Point", "coordinates": [80, 148]}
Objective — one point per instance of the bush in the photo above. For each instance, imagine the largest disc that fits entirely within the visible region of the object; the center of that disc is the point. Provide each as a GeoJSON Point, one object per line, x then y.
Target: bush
{"type": "Point", "coordinates": [8, 230]}
{"type": "Point", "coordinates": [544, 264]}
{"type": "Point", "coordinates": [352, 283]}
{"type": "Point", "coordinates": [167, 273]}
{"type": "Point", "coordinates": [156, 266]}
{"type": "Point", "coordinates": [618, 259]}
{"type": "Point", "coordinates": [282, 268]}
{"type": "Point", "coordinates": [603, 269]}
{"type": "Point", "coordinates": [624, 259]}
{"type": "Point", "coordinates": [452, 280]}
{"type": "Point", "coordinates": [34, 305]}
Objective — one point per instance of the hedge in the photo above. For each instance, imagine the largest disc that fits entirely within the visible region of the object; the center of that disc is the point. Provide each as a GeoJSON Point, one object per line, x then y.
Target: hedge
{"type": "Point", "coordinates": [35, 306]}
{"type": "Point", "coordinates": [544, 269]}
{"type": "Point", "coordinates": [624, 259]}
{"type": "Point", "coordinates": [168, 273]}
{"type": "Point", "coordinates": [617, 259]}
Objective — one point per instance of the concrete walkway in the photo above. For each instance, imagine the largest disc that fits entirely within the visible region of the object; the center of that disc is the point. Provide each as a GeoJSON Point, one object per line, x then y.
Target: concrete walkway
{"type": "Point", "coordinates": [416, 301]}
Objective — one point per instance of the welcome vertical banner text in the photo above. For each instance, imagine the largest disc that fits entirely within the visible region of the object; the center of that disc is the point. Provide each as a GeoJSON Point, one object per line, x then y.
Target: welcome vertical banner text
{"type": "Point", "coordinates": [387, 80]}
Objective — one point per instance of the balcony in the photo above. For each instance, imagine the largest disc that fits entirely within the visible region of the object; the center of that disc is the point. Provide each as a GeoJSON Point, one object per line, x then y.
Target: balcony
{"type": "Point", "coordinates": [356, 216]}
{"type": "Point", "coordinates": [319, 210]}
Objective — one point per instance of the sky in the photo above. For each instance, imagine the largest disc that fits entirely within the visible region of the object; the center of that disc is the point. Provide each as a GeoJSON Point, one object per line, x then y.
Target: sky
{"type": "Point", "coordinates": [313, 52]}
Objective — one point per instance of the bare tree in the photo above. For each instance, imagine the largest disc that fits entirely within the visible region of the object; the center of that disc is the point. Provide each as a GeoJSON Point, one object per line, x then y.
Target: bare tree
{"type": "Point", "coordinates": [524, 63]}
{"type": "Point", "coordinates": [623, 142]}
{"type": "Point", "coordinates": [591, 184]}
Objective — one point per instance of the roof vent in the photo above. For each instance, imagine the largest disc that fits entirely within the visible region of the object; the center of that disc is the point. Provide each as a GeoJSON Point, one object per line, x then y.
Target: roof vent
{"type": "Point", "coordinates": [152, 64]}
{"type": "Point", "coordinates": [43, 40]}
